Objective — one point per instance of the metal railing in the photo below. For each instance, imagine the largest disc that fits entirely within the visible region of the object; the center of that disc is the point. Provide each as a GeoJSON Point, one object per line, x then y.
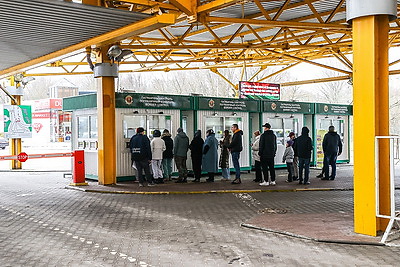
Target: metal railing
{"type": "Point", "coordinates": [394, 154]}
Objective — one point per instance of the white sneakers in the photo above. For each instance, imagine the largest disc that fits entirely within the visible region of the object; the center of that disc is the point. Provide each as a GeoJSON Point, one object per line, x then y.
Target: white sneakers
{"type": "Point", "coordinates": [267, 183]}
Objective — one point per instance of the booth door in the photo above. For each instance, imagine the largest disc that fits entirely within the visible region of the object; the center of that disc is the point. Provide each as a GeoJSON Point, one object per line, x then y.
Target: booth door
{"type": "Point", "coordinates": [339, 125]}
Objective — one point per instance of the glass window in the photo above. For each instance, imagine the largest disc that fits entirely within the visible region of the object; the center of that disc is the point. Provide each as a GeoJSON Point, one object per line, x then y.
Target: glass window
{"type": "Point", "coordinates": [324, 124]}
{"type": "Point", "coordinates": [93, 126]}
{"type": "Point", "coordinates": [277, 127]}
{"type": "Point", "coordinates": [217, 124]}
{"type": "Point", "coordinates": [131, 122]}
{"type": "Point", "coordinates": [158, 122]}
{"type": "Point", "coordinates": [83, 127]}
{"type": "Point", "coordinates": [291, 125]}
{"type": "Point", "coordinates": [232, 120]}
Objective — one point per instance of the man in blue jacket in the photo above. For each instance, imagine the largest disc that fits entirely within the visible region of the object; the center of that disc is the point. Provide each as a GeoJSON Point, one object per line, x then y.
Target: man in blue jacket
{"type": "Point", "coordinates": [141, 155]}
{"type": "Point", "coordinates": [332, 147]}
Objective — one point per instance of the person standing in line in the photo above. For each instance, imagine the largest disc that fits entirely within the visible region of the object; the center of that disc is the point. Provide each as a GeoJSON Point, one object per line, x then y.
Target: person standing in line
{"type": "Point", "coordinates": [210, 155]}
{"type": "Point", "coordinates": [267, 154]}
{"type": "Point", "coordinates": [304, 147]}
{"type": "Point", "coordinates": [224, 158]}
{"type": "Point", "coordinates": [235, 147]}
{"type": "Point", "coordinates": [168, 155]}
{"type": "Point", "coordinates": [141, 155]}
{"type": "Point", "coordinates": [255, 147]}
{"type": "Point", "coordinates": [292, 136]}
{"type": "Point", "coordinates": [157, 148]}
{"type": "Point", "coordinates": [196, 148]}
{"type": "Point", "coordinates": [332, 147]}
{"type": "Point", "coordinates": [181, 146]}
{"type": "Point", "coordinates": [288, 157]}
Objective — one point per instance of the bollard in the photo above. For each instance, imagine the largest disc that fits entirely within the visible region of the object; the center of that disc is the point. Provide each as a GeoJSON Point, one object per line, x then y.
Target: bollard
{"type": "Point", "coordinates": [78, 172]}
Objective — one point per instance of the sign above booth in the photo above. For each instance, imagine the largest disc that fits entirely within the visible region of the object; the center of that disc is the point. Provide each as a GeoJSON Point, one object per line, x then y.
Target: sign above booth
{"type": "Point", "coordinates": [288, 107]}
{"type": "Point", "coordinates": [257, 90]}
{"type": "Point", "coordinates": [226, 104]}
{"type": "Point", "coordinates": [134, 100]}
{"type": "Point", "coordinates": [333, 109]}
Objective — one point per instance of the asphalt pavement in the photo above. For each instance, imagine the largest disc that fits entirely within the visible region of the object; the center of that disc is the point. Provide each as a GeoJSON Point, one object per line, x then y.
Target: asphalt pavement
{"type": "Point", "coordinates": [45, 223]}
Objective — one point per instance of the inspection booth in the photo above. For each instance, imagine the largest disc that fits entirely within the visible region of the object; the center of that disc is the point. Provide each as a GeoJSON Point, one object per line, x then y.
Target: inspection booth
{"type": "Point", "coordinates": [286, 117]}
{"type": "Point", "coordinates": [335, 115]}
{"type": "Point", "coordinates": [220, 113]}
{"type": "Point", "coordinates": [133, 110]}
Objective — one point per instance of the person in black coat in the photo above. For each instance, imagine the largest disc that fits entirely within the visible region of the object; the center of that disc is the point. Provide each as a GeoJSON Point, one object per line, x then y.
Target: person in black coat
{"type": "Point", "coordinates": [235, 147]}
{"type": "Point", "coordinates": [141, 155]}
{"type": "Point", "coordinates": [196, 148]}
{"type": "Point", "coordinates": [332, 147]}
{"type": "Point", "coordinates": [168, 155]}
{"type": "Point", "coordinates": [303, 148]}
{"type": "Point", "coordinates": [267, 154]}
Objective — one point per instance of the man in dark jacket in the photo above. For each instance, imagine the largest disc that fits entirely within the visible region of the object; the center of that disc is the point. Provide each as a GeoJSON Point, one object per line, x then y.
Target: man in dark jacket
{"type": "Point", "coordinates": [168, 154]}
{"type": "Point", "coordinates": [141, 155]}
{"type": "Point", "coordinates": [332, 147]}
{"type": "Point", "coordinates": [235, 147]}
{"type": "Point", "coordinates": [303, 147]}
{"type": "Point", "coordinates": [267, 154]}
{"type": "Point", "coordinates": [181, 146]}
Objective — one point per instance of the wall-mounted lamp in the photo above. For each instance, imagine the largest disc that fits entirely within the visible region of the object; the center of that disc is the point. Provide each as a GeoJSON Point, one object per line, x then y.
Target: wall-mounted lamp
{"type": "Point", "coordinates": [326, 117]}
{"type": "Point", "coordinates": [234, 113]}
{"type": "Point", "coordinates": [291, 116]}
{"type": "Point", "coordinates": [276, 116]}
{"type": "Point", "coordinates": [215, 114]}
{"type": "Point", "coordinates": [160, 112]}
{"type": "Point", "coordinates": [135, 112]}
{"type": "Point", "coordinates": [339, 117]}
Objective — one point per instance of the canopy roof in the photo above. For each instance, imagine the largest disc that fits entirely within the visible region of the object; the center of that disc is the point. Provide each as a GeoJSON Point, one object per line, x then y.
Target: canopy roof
{"type": "Point", "coordinates": [179, 34]}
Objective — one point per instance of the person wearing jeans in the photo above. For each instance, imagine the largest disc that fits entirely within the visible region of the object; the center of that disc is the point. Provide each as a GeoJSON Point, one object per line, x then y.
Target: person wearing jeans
{"type": "Point", "coordinates": [304, 147]}
{"type": "Point", "coordinates": [332, 147]}
{"type": "Point", "coordinates": [267, 154]}
{"type": "Point", "coordinates": [236, 147]}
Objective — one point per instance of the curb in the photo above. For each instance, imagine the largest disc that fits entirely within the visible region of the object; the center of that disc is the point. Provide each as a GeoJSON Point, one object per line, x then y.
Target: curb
{"type": "Point", "coordinates": [203, 192]}
{"type": "Point", "coordinates": [346, 242]}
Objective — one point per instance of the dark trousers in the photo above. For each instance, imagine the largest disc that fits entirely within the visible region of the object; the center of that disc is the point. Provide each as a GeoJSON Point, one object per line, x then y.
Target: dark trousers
{"type": "Point", "coordinates": [289, 166]}
{"type": "Point", "coordinates": [304, 164]}
{"type": "Point", "coordinates": [267, 164]}
{"type": "Point", "coordinates": [330, 159]}
{"type": "Point", "coordinates": [211, 176]}
{"type": "Point", "coordinates": [196, 165]}
{"type": "Point", "coordinates": [181, 166]}
{"type": "Point", "coordinates": [143, 165]}
{"type": "Point", "coordinates": [257, 166]}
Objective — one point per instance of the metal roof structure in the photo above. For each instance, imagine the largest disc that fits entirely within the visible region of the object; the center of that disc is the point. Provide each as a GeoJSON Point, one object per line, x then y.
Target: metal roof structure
{"type": "Point", "coordinates": [179, 34]}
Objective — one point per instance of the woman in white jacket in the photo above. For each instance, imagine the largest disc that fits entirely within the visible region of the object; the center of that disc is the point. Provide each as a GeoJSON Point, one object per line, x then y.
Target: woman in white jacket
{"type": "Point", "coordinates": [255, 147]}
{"type": "Point", "coordinates": [157, 146]}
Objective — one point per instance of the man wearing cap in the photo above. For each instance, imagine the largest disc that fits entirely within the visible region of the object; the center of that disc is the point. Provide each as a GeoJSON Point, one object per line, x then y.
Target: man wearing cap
{"type": "Point", "coordinates": [292, 137]}
{"type": "Point", "coordinates": [181, 147]}
{"type": "Point", "coordinates": [267, 154]}
{"type": "Point", "coordinates": [332, 147]}
{"type": "Point", "coordinates": [141, 156]}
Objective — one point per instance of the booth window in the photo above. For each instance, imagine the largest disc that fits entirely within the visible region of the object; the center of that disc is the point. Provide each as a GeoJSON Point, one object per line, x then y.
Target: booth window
{"type": "Point", "coordinates": [83, 127]}
{"type": "Point", "coordinates": [220, 124]}
{"type": "Point", "coordinates": [93, 126]}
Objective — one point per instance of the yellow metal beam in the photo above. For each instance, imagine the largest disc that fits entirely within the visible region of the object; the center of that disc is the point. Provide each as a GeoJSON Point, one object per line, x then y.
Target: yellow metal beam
{"type": "Point", "coordinates": [371, 105]}
{"type": "Point", "coordinates": [289, 24]}
{"type": "Point", "coordinates": [215, 5]}
{"type": "Point", "coordinates": [136, 28]}
{"type": "Point", "coordinates": [186, 6]}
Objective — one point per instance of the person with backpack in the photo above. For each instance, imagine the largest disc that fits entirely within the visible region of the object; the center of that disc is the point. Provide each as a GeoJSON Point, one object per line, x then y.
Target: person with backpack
{"type": "Point", "coordinates": [141, 156]}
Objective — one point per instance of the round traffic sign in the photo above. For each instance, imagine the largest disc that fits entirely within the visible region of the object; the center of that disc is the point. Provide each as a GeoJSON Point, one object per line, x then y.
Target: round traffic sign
{"type": "Point", "coordinates": [22, 157]}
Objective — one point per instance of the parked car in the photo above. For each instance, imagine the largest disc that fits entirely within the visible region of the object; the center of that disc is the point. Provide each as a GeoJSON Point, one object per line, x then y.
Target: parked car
{"type": "Point", "coordinates": [3, 143]}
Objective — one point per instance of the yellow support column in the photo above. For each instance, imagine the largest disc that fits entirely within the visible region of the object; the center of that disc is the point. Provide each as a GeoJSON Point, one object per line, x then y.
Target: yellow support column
{"type": "Point", "coordinates": [15, 143]}
{"type": "Point", "coordinates": [107, 166]}
{"type": "Point", "coordinates": [371, 118]}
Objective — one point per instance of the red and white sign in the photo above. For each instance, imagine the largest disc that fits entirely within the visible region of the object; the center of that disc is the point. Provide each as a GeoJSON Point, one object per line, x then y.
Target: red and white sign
{"type": "Point", "coordinates": [260, 90]}
{"type": "Point", "coordinates": [37, 127]}
{"type": "Point", "coordinates": [49, 103]}
{"type": "Point", "coordinates": [22, 157]}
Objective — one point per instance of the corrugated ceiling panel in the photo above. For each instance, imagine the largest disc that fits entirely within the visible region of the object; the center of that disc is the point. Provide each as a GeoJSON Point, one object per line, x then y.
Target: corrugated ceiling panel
{"type": "Point", "coordinates": [33, 28]}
